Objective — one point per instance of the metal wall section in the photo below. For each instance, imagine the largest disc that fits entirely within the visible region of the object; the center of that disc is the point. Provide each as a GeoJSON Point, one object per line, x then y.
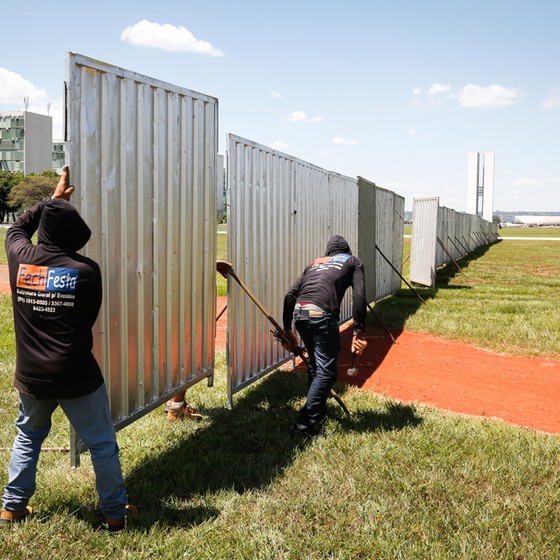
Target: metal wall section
{"type": "Point", "coordinates": [389, 224]}
{"type": "Point", "coordinates": [143, 155]}
{"type": "Point", "coordinates": [367, 233]}
{"type": "Point", "coordinates": [281, 215]}
{"type": "Point", "coordinates": [441, 235]}
{"type": "Point", "coordinates": [423, 244]}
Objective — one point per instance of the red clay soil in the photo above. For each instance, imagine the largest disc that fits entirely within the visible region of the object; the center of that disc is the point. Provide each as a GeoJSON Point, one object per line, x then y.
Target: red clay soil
{"type": "Point", "coordinates": [451, 376]}
{"type": "Point", "coordinates": [448, 375]}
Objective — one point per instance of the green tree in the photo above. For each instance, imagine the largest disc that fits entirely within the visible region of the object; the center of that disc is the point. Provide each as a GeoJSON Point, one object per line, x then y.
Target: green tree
{"type": "Point", "coordinates": [33, 189]}
{"type": "Point", "coordinates": [7, 181]}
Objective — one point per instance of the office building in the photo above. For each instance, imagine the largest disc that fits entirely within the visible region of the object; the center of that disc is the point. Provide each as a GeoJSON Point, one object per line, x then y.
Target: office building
{"type": "Point", "coordinates": [26, 144]}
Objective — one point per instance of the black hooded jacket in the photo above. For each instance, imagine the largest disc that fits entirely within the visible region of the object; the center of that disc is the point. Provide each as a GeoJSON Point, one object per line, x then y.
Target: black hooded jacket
{"type": "Point", "coordinates": [325, 281]}
{"type": "Point", "coordinates": [56, 296]}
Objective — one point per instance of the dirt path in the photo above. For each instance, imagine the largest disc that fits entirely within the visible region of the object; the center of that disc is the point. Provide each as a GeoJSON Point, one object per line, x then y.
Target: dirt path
{"type": "Point", "coordinates": [447, 375]}
{"type": "Point", "coordinates": [452, 376]}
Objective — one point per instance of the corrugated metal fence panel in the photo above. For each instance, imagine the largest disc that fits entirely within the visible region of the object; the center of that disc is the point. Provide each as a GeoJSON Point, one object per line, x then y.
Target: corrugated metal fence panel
{"type": "Point", "coordinates": [389, 220]}
{"type": "Point", "coordinates": [367, 233]}
{"type": "Point", "coordinates": [282, 212]}
{"type": "Point", "coordinates": [456, 234]}
{"type": "Point", "coordinates": [343, 220]}
{"type": "Point", "coordinates": [143, 155]}
{"type": "Point", "coordinates": [260, 222]}
{"type": "Point", "coordinates": [425, 213]}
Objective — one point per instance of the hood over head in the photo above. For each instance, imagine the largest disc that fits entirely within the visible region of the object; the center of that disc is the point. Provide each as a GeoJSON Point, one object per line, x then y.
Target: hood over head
{"type": "Point", "coordinates": [337, 244]}
{"type": "Point", "coordinates": [62, 226]}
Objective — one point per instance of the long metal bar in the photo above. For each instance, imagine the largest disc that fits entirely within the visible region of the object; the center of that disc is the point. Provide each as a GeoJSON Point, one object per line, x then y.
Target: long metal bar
{"type": "Point", "coordinates": [400, 275]}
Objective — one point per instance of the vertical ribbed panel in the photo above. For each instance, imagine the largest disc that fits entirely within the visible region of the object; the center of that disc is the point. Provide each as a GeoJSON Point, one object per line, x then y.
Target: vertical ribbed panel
{"type": "Point", "coordinates": [143, 156]}
{"type": "Point", "coordinates": [281, 215]}
{"type": "Point", "coordinates": [424, 240]}
{"type": "Point", "coordinates": [440, 235]}
{"type": "Point", "coordinates": [389, 220]}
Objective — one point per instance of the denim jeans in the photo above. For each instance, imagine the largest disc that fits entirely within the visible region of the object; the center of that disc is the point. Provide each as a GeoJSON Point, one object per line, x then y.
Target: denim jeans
{"type": "Point", "coordinates": [322, 341]}
{"type": "Point", "coordinates": [90, 417]}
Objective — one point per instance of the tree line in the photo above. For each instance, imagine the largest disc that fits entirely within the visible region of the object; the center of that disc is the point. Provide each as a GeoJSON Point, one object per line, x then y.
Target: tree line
{"type": "Point", "coordinates": [19, 191]}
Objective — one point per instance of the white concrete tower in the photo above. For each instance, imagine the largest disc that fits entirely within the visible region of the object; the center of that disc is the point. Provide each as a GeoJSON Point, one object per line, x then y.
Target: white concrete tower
{"type": "Point", "coordinates": [480, 184]}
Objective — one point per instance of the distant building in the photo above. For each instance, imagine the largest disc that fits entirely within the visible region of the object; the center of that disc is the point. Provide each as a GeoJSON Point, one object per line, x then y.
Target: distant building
{"type": "Point", "coordinates": [480, 185]}
{"type": "Point", "coordinates": [25, 142]}
{"type": "Point", "coordinates": [58, 156]}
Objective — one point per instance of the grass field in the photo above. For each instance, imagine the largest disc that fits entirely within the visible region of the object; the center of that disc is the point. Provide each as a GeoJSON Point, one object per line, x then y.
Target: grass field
{"type": "Point", "coordinates": [394, 481]}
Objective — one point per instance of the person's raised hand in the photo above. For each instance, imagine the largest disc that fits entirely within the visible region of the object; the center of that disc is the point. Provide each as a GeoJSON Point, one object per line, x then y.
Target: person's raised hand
{"type": "Point", "coordinates": [63, 189]}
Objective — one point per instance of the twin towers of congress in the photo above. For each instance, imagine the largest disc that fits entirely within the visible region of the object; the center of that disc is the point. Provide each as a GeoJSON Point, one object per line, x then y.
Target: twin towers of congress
{"type": "Point", "coordinates": [480, 185]}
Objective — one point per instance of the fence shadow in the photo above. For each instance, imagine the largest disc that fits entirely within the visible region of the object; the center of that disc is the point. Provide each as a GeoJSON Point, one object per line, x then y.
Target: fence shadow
{"type": "Point", "coordinates": [241, 450]}
{"type": "Point", "coordinates": [392, 313]}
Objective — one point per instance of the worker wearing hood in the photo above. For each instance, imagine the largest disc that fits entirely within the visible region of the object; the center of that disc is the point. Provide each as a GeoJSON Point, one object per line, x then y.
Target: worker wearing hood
{"type": "Point", "coordinates": [313, 304]}
{"type": "Point", "coordinates": [56, 297]}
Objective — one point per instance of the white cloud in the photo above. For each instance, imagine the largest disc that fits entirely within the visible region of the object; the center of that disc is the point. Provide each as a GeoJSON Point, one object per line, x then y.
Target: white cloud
{"type": "Point", "coordinates": [15, 88]}
{"type": "Point", "coordinates": [275, 94]}
{"type": "Point", "coordinates": [300, 116]}
{"type": "Point", "coordinates": [416, 91]}
{"type": "Point", "coordinates": [526, 182]}
{"type": "Point", "coordinates": [297, 116]}
{"type": "Point", "coordinates": [279, 145]}
{"type": "Point", "coordinates": [552, 101]}
{"type": "Point", "coordinates": [167, 37]}
{"type": "Point", "coordinates": [411, 131]}
{"type": "Point", "coordinates": [437, 89]}
{"type": "Point", "coordinates": [340, 140]}
{"type": "Point", "coordinates": [487, 97]}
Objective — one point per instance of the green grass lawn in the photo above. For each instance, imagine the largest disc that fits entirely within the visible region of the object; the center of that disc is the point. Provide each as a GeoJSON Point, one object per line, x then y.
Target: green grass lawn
{"type": "Point", "coordinates": [529, 232]}
{"type": "Point", "coordinates": [394, 481]}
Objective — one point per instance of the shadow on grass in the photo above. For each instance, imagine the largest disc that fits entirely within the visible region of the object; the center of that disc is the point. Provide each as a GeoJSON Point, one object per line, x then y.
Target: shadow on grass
{"type": "Point", "coordinates": [395, 309]}
{"type": "Point", "coordinates": [397, 416]}
{"type": "Point", "coordinates": [236, 451]}
{"type": "Point", "coordinates": [391, 314]}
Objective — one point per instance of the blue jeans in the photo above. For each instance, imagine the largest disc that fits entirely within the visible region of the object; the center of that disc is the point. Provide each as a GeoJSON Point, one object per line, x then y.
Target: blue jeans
{"type": "Point", "coordinates": [322, 340]}
{"type": "Point", "coordinates": [90, 417]}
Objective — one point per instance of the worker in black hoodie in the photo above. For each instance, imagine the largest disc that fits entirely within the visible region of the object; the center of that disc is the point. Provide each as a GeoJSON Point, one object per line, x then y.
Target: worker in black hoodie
{"type": "Point", "coordinates": [56, 296]}
{"type": "Point", "coordinates": [313, 304]}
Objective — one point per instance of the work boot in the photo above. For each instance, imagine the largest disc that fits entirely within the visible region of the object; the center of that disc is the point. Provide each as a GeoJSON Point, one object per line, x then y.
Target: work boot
{"type": "Point", "coordinates": [115, 525]}
{"type": "Point", "coordinates": [184, 411]}
{"type": "Point", "coordinates": [7, 517]}
{"type": "Point", "coordinates": [302, 432]}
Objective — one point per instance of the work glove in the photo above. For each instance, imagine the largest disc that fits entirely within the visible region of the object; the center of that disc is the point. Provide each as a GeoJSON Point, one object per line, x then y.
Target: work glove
{"type": "Point", "coordinates": [289, 341]}
{"type": "Point", "coordinates": [359, 343]}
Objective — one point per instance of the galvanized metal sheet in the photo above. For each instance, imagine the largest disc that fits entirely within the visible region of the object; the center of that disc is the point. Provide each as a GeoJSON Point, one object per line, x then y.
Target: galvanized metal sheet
{"type": "Point", "coordinates": [389, 221]}
{"type": "Point", "coordinates": [282, 212]}
{"type": "Point", "coordinates": [441, 235]}
{"type": "Point", "coordinates": [143, 154]}
{"type": "Point", "coordinates": [424, 240]}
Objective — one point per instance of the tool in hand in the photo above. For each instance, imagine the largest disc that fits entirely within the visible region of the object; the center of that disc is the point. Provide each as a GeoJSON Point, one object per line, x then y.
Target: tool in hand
{"type": "Point", "coordinates": [353, 370]}
{"type": "Point", "coordinates": [225, 269]}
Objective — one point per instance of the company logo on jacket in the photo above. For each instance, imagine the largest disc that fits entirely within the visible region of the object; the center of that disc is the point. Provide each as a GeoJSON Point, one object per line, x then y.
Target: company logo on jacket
{"type": "Point", "coordinates": [334, 261]}
{"type": "Point", "coordinates": [47, 278]}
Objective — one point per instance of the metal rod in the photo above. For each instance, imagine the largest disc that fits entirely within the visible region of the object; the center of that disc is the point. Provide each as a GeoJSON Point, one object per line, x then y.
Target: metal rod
{"type": "Point", "coordinates": [381, 322]}
{"type": "Point", "coordinates": [450, 256]}
{"type": "Point", "coordinates": [400, 275]}
{"type": "Point", "coordinates": [221, 313]}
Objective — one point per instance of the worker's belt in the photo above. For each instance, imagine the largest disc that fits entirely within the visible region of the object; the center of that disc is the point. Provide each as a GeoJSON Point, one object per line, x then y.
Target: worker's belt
{"type": "Point", "coordinates": [308, 310]}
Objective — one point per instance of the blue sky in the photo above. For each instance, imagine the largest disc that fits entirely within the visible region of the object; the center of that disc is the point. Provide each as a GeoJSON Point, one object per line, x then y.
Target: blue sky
{"type": "Point", "coordinates": [396, 91]}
